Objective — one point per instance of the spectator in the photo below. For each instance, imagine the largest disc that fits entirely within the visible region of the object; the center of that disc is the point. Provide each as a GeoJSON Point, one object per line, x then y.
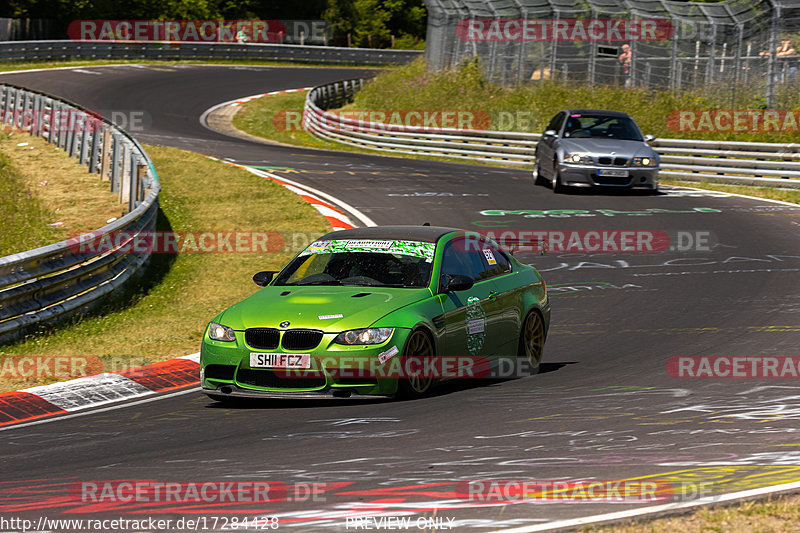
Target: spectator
{"type": "Point", "coordinates": [786, 51]}
{"type": "Point", "coordinates": [625, 61]}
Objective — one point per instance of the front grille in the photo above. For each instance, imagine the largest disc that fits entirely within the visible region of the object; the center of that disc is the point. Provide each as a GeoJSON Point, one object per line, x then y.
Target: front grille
{"type": "Point", "coordinates": [262, 338]}
{"type": "Point", "coordinates": [618, 161]}
{"type": "Point", "coordinates": [612, 180]}
{"type": "Point", "coordinates": [301, 339]}
{"type": "Point", "coordinates": [272, 379]}
{"type": "Point", "coordinates": [220, 372]}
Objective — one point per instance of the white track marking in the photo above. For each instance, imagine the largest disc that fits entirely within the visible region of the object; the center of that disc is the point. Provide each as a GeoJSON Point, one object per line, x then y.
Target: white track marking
{"type": "Point", "coordinates": [55, 418]}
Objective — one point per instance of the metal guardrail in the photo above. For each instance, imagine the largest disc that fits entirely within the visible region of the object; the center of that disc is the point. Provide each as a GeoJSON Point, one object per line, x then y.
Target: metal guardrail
{"type": "Point", "coordinates": [766, 164]}
{"type": "Point", "coordinates": [169, 50]}
{"type": "Point", "coordinates": [66, 278]}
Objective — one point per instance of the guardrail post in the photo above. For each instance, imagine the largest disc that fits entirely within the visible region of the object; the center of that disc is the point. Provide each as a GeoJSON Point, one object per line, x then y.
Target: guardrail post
{"type": "Point", "coordinates": [59, 123]}
{"type": "Point", "coordinates": [135, 182]}
{"type": "Point", "coordinates": [72, 140]}
{"type": "Point", "coordinates": [85, 123]}
{"type": "Point", "coordinates": [116, 163]}
{"type": "Point", "coordinates": [125, 185]}
{"type": "Point", "coordinates": [36, 125]}
{"type": "Point", "coordinates": [141, 173]}
{"type": "Point", "coordinates": [97, 129]}
{"type": "Point", "coordinates": [105, 154]}
{"type": "Point", "coordinates": [3, 103]}
{"type": "Point", "coordinates": [8, 110]}
{"type": "Point", "coordinates": [24, 115]}
{"type": "Point", "coordinates": [48, 119]}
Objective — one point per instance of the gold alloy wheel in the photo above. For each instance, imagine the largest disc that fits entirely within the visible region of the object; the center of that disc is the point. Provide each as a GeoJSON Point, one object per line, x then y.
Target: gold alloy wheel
{"type": "Point", "coordinates": [533, 339]}
{"type": "Point", "coordinates": [418, 347]}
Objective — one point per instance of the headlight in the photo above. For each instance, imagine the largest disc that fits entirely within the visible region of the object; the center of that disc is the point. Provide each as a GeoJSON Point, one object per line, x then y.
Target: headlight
{"type": "Point", "coordinates": [577, 158]}
{"type": "Point", "coordinates": [364, 336]}
{"type": "Point", "coordinates": [644, 161]}
{"type": "Point", "coordinates": [218, 332]}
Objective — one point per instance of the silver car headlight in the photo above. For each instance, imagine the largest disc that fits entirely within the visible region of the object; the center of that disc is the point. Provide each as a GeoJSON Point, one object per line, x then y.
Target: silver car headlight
{"type": "Point", "coordinates": [218, 332]}
{"type": "Point", "coordinates": [644, 161]}
{"type": "Point", "coordinates": [577, 158]}
{"type": "Point", "coordinates": [364, 336]}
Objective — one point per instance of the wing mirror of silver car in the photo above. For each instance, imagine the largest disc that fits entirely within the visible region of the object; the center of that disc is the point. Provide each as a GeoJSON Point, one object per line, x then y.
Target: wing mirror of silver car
{"type": "Point", "coordinates": [649, 138]}
{"type": "Point", "coordinates": [549, 133]}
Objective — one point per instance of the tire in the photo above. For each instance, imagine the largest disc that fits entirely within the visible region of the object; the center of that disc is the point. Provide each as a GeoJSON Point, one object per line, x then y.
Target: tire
{"type": "Point", "coordinates": [418, 345]}
{"type": "Point", "coordinates": [558, 187]}
{"type": "Point", "coordinates": [531, 341]}
{"type": "Point", "coordinates": [538, 179]}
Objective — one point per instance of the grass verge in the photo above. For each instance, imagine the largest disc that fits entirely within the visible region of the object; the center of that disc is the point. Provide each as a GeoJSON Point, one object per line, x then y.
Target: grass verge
{"type": "Point", "coordinates": [38, 187]}
{"type": "Point", "coordinates": [530, 107]}
{"type": "Point", "coordinates": [773, 193]}
{"type": "Point", "coordinates": [166, 315]}
{"type": "Point", "coordinates": [781, 514]}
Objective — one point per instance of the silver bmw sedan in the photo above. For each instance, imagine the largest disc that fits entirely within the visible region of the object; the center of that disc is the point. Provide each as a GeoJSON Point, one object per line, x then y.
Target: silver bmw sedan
{"type": "Point", "coordinates": [594, 147]}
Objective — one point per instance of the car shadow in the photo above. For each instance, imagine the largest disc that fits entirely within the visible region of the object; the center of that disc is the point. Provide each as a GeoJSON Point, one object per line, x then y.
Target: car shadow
{"type": "Point", "coordinates": [458, 385]}
{"type": "Point", "coordinates": [598, 191]}
{"type": "Point", "coordinates": [285, 403]}
{"type": "Point", "coordinates": [442, 389]}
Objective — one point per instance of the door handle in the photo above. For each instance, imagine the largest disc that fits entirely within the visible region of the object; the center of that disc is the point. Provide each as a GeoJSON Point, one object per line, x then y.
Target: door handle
{"type": "Point", "coordinates": [492, 295]}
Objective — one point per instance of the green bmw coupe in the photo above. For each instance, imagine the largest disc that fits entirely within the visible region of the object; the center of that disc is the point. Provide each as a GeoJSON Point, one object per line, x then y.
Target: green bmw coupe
{"type": "Point", "coordinates": [379, 311]}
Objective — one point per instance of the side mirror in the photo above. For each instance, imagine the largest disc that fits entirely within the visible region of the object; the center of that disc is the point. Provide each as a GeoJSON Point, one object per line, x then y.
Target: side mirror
{"type": "Point", "coordinates": [549, 133]}
{"type": "Point", "coordinates": [456, 282]}
{"type": "Point", "coordinates": [649, 138]}
{"type": "Point", "coordinates": [263, 278]}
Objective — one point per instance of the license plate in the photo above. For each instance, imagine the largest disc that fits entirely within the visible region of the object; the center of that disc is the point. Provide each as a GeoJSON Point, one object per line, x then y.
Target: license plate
{"type": "Point", "coordinates": [612, 172]}
{"type": "Point", "coordinates": [280, 360]}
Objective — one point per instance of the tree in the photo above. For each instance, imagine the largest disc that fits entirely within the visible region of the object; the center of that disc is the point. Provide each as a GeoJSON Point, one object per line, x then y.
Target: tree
{"type": "Point", "coordinates": [375, 20]}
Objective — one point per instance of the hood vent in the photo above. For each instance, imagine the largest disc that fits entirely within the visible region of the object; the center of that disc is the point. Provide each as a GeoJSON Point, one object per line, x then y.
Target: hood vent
{"type": "Point", "coordinates": [361, 294]}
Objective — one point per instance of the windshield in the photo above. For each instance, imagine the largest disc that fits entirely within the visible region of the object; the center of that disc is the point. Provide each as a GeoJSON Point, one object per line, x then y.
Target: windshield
{"type": "Point", "coordinates": [623, 128]}
{"type": "Point", "coordinates": [361, 263]}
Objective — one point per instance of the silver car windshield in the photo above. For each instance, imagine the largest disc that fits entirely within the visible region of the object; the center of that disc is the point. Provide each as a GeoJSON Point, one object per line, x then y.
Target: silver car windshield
{"type": "Point", "coordinates": [603, 126]}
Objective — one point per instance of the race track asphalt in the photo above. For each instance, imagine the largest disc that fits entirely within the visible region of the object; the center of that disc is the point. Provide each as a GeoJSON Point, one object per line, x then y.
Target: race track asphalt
{"type": "Point", "coordinates": [604, 407]}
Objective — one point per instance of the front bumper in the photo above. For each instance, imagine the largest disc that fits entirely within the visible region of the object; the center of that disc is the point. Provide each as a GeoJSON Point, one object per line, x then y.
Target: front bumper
{"type": "Point", "coordinates": [335, 370]}
{"type": "Point", "coordinates": [338, 393]}
{"type": "Point", "coordinates": [587, 176]}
